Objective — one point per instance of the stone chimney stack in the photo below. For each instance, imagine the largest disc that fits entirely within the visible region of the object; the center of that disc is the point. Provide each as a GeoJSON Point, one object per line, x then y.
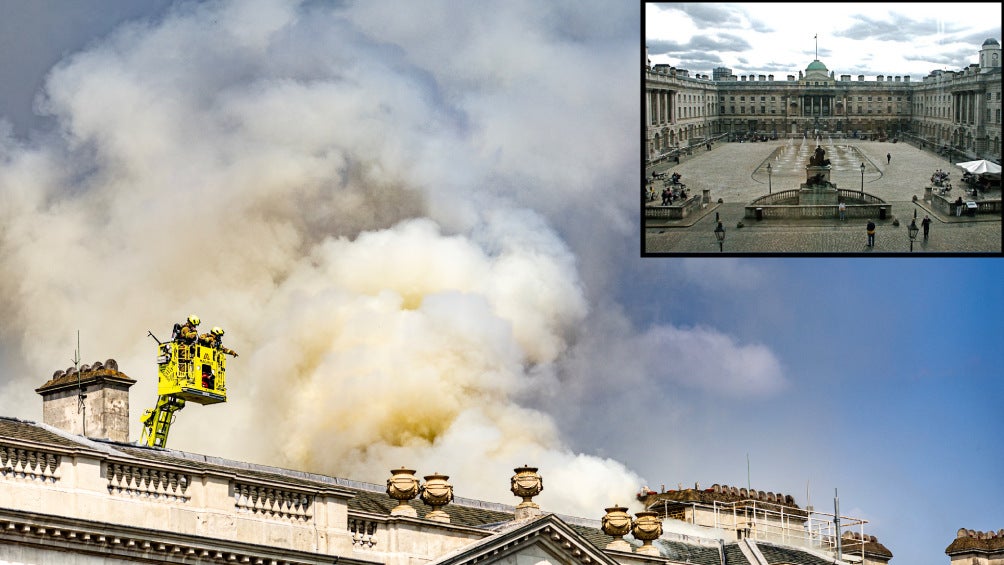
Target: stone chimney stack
{"type": "Point", "coordinates": [92, 403]}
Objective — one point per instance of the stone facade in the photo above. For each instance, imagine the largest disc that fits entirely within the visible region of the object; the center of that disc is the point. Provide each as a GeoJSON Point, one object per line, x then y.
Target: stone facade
{"type": "Point", "coordinates": [955, 110]}
{"type": "Point", "coordinates": [72, 499]}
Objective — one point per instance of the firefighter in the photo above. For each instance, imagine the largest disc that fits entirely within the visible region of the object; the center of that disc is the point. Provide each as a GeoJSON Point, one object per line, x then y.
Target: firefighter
{"type": "Point", "coordinates": [187, 333]}
{"type": "Point", "coordinates": [214, 339]}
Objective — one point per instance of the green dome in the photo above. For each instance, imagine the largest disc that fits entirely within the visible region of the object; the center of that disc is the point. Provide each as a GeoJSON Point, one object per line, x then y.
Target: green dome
{"type": "Point", "coordinates": [816, 66]}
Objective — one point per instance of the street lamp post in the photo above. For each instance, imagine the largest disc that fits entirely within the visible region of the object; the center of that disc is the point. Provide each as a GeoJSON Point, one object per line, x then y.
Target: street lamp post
{"type": "Point", "coordinates": [720, 236]}
{"type": "Point", "coordinates": [768, 179]}
{"type": "Point", "coordinates": [912, 233]}
{"type": "Point", "coordinates": [862, 181]}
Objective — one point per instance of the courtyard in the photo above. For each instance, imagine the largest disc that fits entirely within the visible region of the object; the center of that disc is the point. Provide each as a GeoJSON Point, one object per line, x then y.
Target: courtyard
{"type": "Point", "coordinates": [736, 173]}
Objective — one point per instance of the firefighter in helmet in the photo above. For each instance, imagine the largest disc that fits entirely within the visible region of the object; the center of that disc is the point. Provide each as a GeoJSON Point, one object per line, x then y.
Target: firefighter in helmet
{"type": "Point", "coordinates": [187, 333]}
{"type": "Point", "coordinates": [214, 339]}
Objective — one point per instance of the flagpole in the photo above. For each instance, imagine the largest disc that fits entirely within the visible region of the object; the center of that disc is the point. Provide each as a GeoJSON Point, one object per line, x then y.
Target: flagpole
{"type": "Point", "coordinates": [816, 37]}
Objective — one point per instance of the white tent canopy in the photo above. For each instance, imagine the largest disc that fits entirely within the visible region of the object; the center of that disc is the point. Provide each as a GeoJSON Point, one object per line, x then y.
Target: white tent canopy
{"type": "Point", "coordinates": [980, 167]}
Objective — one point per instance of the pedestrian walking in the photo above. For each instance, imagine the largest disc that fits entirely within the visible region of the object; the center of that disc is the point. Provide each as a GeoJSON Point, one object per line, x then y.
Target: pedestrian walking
{"type": "Point", "coordinates": [888, 158]}
{"type": "Point", "coordinates": [926, 222]}
{"type": "Point", "coordinates": [843, 211]}
{"type": "Point", "coordinates": [871, 233]}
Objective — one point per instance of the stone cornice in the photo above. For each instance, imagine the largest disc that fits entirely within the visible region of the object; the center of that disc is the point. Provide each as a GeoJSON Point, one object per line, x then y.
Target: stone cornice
{"type": "Point", "coordinates": [59, 534]}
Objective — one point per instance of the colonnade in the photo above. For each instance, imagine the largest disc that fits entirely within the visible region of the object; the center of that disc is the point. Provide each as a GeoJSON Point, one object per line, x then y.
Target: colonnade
{"type": "Point", "coordinates": [966, 106]}
{"type": "Point", "coordinates": [660, 106]}
{"type": "Point", "coordinates": [817, 105]}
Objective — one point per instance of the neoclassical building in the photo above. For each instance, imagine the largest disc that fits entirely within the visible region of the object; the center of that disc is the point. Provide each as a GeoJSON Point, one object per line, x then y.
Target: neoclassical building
{"type": "Point", "coordinates": [75, 490]}
{"type": "Point", "coordinates": [954, 109]}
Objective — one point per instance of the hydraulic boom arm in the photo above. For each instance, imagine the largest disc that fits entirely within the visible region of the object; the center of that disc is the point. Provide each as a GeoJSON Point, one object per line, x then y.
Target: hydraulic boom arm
{"type": "Point", "coordinates": [157, 421]}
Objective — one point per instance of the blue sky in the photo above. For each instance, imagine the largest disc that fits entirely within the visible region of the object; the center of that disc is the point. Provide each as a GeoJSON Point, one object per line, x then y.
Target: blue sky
{"type": "Point", "coordinates": [393, 209]}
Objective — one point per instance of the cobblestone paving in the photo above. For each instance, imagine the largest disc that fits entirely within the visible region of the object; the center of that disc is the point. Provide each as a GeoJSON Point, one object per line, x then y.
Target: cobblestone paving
{"type": "Point", "coordinates": [735, 172]}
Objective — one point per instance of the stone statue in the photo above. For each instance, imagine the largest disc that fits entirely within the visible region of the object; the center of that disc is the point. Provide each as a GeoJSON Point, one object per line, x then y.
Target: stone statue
{"type": "Point", "coordinates": [818, 160]}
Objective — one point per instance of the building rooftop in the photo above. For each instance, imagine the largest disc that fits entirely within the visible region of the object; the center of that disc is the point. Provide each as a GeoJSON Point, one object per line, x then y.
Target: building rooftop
{"type": "Point", "coordinates": [366, 501]}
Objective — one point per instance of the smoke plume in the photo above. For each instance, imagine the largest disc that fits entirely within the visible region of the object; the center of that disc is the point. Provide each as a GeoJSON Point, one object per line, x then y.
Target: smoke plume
{"type": "Point", "coordinates": [383, 205]}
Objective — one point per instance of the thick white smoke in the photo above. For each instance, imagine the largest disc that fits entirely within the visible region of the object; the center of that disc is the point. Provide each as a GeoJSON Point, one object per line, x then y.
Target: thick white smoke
{"type": "Point", "coordinates": [370, 199]}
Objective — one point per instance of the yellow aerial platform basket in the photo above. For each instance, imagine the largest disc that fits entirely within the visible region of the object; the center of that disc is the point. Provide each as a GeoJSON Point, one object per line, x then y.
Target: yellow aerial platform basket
{"type": "Point", "coordinates": [192, 372]}
{"type": "Point", "coordinates": [186, 372]}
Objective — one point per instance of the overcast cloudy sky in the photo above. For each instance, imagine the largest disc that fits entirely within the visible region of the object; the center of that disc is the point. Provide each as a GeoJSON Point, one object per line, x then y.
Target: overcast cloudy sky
{"type": "Point", "coordinates": [889, 38]}
{"type": "Point", "coordinates": [399, 216]}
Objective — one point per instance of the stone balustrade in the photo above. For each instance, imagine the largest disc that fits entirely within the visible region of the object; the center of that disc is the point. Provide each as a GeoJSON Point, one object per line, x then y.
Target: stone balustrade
{"type": "Point", "coordinates": [363, 532]}
{"type": "Point", "coordinates": [29, 464]}
{"type": "Point", "coordinates": [871, 211]}
{"type": "Point", "coordinates": [154, 484]}
{"type": "Point", "coordinates": [779, 197]}
{"type": "Point", "coordinates": [946, 205]}
{"type": "Point", "coordinates": [784, 204]}
{"type": "Point", "coordinates": [675, 212]}
{"type": "Point", "coordinates": [790, 197]}
{"type": "Point", "coordinates": [273, 502]}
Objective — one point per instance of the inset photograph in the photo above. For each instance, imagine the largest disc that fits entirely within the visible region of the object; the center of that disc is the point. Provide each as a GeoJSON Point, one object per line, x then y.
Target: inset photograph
{"type": "Point", "coordinates": [805, 133]}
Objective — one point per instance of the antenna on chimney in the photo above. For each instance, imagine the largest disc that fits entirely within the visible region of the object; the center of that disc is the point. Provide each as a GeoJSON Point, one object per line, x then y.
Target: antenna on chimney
{"type": "Point", "coordinates": [748, 471]}
{"type": "Point", "coordinates": [80, 391]}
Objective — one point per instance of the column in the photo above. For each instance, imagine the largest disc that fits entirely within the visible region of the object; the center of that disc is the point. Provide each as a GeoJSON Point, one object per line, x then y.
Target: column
{"type": "Point", "coordinates": [648, 107]}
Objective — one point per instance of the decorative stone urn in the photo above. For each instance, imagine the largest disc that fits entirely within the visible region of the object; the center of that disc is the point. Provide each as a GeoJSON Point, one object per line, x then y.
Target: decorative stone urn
{"type": "Point", "coordinates": [436, 492]}
{"type": "Point", "coordinates": [402, 486]}
{"type": "Point", "coordinates": [617, 523]}
{"type": "Point", "coordinates": [647, 527]}
{"type": "Point", "coordinates": [526, 483]}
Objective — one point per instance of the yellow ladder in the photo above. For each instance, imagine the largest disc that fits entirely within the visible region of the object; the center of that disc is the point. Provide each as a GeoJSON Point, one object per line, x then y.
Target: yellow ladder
{"type": "Point", "coordinates": [157, 421]}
